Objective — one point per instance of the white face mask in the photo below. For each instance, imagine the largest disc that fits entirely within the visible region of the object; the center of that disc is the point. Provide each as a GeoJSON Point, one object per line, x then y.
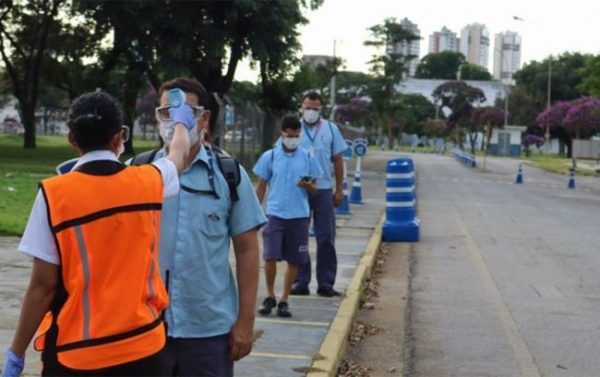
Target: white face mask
{"type": "Point", "coordinates": [166, 130]}
{"type": "Point", "coordinates": [310, 116]}
{"type": "Point", "coordinates": [291, 143]}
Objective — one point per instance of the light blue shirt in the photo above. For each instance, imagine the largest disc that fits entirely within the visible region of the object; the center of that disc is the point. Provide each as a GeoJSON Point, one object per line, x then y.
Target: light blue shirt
{"type": "Point", "coordinates": [195, 232]}
{"type": "Point", "coordinates": [282, 170]}
{"type": "Point", "coordinates": [324, 140]}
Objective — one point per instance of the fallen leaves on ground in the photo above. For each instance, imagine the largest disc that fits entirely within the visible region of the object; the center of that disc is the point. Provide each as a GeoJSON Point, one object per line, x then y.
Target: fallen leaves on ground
{"type": "Point", "coordinates": [352, 369]}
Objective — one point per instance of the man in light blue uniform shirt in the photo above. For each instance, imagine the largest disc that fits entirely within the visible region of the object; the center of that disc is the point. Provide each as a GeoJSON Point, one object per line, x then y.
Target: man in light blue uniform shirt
{"type": "Point", "coordinates": [290, 172]}
{"type": "Point", "coordinates": [210, 319]}
{"type": "Point", "coordinates": [324, 140]}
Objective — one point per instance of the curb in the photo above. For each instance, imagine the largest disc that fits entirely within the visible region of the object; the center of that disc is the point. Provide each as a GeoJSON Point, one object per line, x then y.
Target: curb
{"type": "Point", "coordinates": [333, 348]}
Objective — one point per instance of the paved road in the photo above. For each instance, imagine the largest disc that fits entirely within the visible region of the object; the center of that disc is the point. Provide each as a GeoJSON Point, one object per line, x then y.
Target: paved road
{"type": "Point", "coordinates": [506, 278]}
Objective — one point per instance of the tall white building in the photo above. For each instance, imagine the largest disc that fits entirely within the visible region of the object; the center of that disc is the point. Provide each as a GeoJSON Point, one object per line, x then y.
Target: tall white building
{"type": "Point", "coordinates": [411, 48]}
{"type": "Point", "coordinates": [444, 40]}
{"type": "Point", "coordinates": [507, 56]}
{"type": "Point", "coordinates": [475, 44]}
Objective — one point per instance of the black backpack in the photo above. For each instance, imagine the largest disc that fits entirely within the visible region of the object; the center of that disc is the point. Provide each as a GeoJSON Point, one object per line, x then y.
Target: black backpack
{"type": "Point", "coordinates": [228, 165]}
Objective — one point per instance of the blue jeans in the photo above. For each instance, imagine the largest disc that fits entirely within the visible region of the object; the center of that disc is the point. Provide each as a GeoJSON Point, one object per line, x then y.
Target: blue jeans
{"type": "Point", "coordinates": [323, 211]}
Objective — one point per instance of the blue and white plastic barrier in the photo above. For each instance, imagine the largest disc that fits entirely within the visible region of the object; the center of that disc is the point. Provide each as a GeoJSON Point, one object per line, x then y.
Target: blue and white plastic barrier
{"type": "Point", "coordinates": [402, 224]}
{"type": "Point", "coordinates": [465, 158]}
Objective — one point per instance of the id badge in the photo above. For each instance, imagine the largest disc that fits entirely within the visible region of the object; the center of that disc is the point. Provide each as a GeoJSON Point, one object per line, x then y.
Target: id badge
{"type": "Point", "coordinates": [311, 149]}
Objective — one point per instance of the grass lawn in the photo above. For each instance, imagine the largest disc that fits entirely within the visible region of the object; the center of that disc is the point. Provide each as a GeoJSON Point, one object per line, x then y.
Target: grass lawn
{"type": "Point", "coordinates": [22, 169]}
{"type": "Point", "coordinates": [560, 164]}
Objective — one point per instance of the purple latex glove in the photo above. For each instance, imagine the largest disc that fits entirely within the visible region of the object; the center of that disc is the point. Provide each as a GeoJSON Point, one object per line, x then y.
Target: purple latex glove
{"type": "Point", "coordinates": [13, 367]}
{"type": "Point", "coordinates": [184, 115]}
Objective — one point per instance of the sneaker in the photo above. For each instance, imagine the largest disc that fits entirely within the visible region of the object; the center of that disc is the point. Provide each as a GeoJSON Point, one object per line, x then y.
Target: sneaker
{"type": "Point", "coordinates": [283, 309]}
{"type": "Point", "coordinates": [328, 292]}
{"type": "Point", "coordinates": [268, 304]}
{"type": "Point", "coordinates": [299, 290]}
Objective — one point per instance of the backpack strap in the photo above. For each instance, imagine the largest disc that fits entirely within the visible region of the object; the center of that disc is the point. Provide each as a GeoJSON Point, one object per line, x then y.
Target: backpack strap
{"type": "Point", "coordinates": [144, 157]}
{"type": "Point", "coordinates": [227, 164]}
{"type": "Point", "coordinates": [331, 125]}
{"type": "Point", "coordinates": [230, 169]}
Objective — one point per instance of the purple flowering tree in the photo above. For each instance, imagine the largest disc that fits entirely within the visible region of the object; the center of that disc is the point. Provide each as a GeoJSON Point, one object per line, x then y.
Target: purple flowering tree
{"type": "Point", "coordinates": [460, 98]}
{"type": "Point", "coordinates": [435, 128]}
{"type": "Point", "coordinates": [531, 139]}
{"type": "Point", "coordinates": [486, 119]}
{"type": "Point", "coordinates": [355, 111]}
{"type": "Point", "coordinates": [578, 118]}
{"type": "Point", "coordinates": [582, 118]}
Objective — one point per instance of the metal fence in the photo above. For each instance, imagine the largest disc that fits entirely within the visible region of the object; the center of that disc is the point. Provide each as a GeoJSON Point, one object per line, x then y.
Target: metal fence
{"type": "Point", "coordinates": [240, 128]}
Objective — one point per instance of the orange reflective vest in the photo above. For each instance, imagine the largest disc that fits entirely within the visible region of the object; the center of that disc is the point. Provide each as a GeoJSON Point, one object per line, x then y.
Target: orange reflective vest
{"type": "Point", "coordinates": [105, 218]}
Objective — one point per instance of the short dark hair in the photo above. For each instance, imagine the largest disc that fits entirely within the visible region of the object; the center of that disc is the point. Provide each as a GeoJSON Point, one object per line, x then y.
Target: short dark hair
{"type": "Point", "coordinates": [93, 120]}
{"type": "Point", "coordinates": [290, 122]}
{"type": "Point", "coordinates": [313, 96]}
{"type": "Point", "coordinates": [188, 85]}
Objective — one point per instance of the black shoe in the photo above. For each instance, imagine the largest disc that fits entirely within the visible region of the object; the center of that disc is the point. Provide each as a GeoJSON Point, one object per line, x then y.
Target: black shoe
{"type": "Point", "coordinates": [328, 292]}
{"type": "Point", "coordinates": [299, 290]}
{"type": "Point", "coordinates": [268, 304]}
{"type": "Point", "coordinates": [283, 309]}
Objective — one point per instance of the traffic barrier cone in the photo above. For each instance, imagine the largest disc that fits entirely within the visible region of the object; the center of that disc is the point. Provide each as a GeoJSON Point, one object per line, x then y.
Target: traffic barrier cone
{"type": "Point", "coordinates": [519, 175]}
{"type": "Point", "coordinates": [401, 222]}
{"type": "Point", "coordinates": [571, 184]}
{"type": "Point", "coordinates": [356, 194]}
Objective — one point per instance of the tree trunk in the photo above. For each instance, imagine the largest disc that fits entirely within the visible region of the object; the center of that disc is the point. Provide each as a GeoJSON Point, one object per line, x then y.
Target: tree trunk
{"type": "Point", "coordinates": [28, 119]}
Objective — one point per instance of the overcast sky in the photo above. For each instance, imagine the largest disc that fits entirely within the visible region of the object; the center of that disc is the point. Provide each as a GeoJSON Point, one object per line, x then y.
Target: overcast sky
{"type": "Point", "coordinates": [548, 27]}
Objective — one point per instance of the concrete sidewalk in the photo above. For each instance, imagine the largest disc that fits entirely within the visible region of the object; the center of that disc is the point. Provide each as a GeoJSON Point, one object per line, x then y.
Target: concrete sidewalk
{"type": "Point", "coordinates": [312, 341]}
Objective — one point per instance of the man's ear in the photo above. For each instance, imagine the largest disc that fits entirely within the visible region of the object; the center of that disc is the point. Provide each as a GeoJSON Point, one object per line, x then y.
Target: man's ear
{"type": "Point", "coordinates": [206, 118]}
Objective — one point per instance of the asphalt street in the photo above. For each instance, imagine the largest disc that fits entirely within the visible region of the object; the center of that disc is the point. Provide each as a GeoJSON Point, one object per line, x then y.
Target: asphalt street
{"type": "Point", "coordinates": [506, 277]}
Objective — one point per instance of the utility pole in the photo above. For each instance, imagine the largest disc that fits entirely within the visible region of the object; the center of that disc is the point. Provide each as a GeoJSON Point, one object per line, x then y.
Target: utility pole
{"type": "Point", "coordinates": [548, 101]}
{"type": "Point", "coordinates": [332, 90]}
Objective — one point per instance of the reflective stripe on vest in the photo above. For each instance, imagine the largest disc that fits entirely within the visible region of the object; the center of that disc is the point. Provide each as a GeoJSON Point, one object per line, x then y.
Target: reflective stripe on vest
{"type": "Point", "coordinates": [106, 229]}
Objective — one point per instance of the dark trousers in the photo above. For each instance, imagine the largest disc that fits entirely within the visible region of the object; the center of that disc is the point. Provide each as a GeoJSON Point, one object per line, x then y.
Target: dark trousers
{"type": "Point", "coordinates": [206, 357]}
{"type": "Point", "coordinates": [154, 365]}
{"type": "Point", "coordinates": [323, 211]}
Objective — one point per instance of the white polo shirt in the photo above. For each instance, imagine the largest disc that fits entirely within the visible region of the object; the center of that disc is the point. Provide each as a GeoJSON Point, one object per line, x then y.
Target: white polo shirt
{"type": "Point", "coordinates": [38, 240]}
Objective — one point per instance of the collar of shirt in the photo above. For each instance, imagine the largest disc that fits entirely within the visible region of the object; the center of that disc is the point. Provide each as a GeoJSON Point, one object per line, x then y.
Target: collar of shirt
{"type": "Point", "coordinates": [201, 155]}
{"type": "Point", "coordinates": [96, 155]}
{"type": "Point", "coordinates": [313, 126]}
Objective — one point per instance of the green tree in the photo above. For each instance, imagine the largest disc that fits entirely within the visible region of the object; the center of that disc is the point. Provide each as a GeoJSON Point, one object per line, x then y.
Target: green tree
{"type": "Point", "coordinates": [590, 83]}
{"type": "Point", "coordinates": [24, 30]}
{"type": "Point", "coordinates": [567, 75]}
{"type": "Point", "coordinates": [442, 65]}
{"type": "Point", "coordinates": [389, 69]}
{"type": "Point", "coordinates": [416, 109]}
{"type": "Point", "coordinates": [351, 84]}
{"type": "Point", "coordinates": [470, 71]}
{"type": "Point", "coordinates": [523, 107]}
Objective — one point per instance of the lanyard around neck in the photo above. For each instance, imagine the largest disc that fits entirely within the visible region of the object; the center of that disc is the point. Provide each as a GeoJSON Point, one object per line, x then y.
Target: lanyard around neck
{"type": "Point", "coordinates": [312, 138]}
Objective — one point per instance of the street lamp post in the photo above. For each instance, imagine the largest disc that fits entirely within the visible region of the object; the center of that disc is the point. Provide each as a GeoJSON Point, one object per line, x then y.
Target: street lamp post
{"type": "Point", "coordinates": [548, 101]}
{"type": "Point", "coordinates": [332, 89]}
